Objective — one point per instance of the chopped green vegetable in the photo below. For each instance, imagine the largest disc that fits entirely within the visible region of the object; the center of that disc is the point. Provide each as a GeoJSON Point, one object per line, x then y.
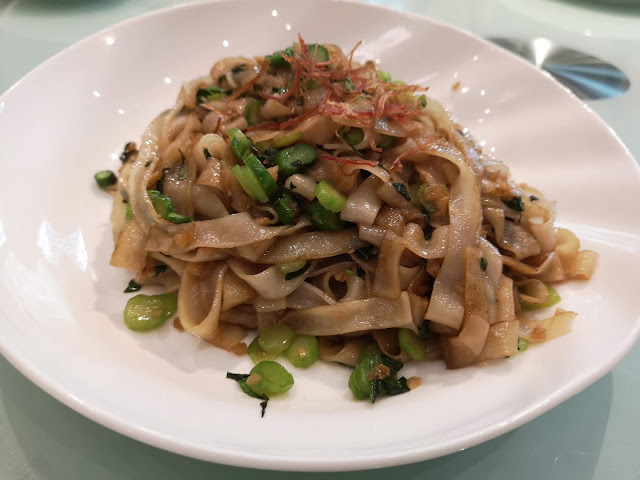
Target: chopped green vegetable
{"type": "Point", "coordinates": [376, 375]}
{"type": "Point", "coordinates": [297, 273]}
{"type": "Point", "coordinates": [105, 178]}
{"type": "Point", "coordinates": [523, 344]}
{"type": "Point", "coordinates": [351, 273]}
{"type": "Point", "coordinates": [161, 203]}
{"type": "Point", "coordinates": [318, 53]}
{"type": "Point", "coordinates": [240, 143]}
{"type": "Point", "coordinates": [291, 266]}
{"type": "Point", "coordinates": [324, 219]}
{"type": "Point", "coordinates": [267, 182]}
{"type": "Point", "coordinates": [422, 100]}
{"type": "Point", "coordinates": [354, 136]}
{"type": "Point", "coordinates": [365, 253]}
{"type": "Point", "coordinates": [348, 85]}
{"type": "Point", "coordinates": [277, 60]}
{"type": "Point", "coordinates": [412, 344]}
{"type": "Point", "coordinates": [252, 112]}
{"type": "Point", "coordinates": [402, 189]}
{"type": "Point", "coordinates": [146, 312]}
{"type": "Point", "coordinates": [249, 183]}
{"type": "Point", "coordinates": [303, 351]}
{"type": "Point", "coordinates": [174, 217]}
{"type": "Point", "coordinates": [515, 204]}
{"type": "Point", "coordinates": [276, 339]}
{"type": "Point", "coordinates": [132, 287]}
{"type": "Point", "coordinates": [241, 378]}
{"type": "Point", "coordinates": [287, 139]}
{"type": "Point", "coordinates": [552, 299]}
{"type": "Point", "coordinates": [293, 159]}
{"type": "Point", "coordinates": [269, 378]}
{"type": "Point", "coordinates": [182, 171]}
{"type": "Point", "coordinates": [330, 197]}
{"type": "Point", "coordinates": [386, 142]}
{"type": "Point", "coordinates": [128, 215]}
{"type": "Point", "coordinates": [484, 263]}
{"type": "Point", "coordinates": [287, 209]}
{"type": "Point", "coordinates": [384, 76]}
{"type": "Point", "coordinates": [211, 93]}
{"type": "Point", "coordinates": [257, 354]}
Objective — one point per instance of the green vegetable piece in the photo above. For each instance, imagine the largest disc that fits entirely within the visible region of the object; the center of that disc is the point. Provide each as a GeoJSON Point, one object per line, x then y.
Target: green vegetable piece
{"type": "Point", "coordinates": [412, 344]}
{"type": "Point", "coordinates": [287, 209]}
{"type": "Point", "coordinates": [174, 217]}
{"type": "Point", "coordinates": [318, 53]}
{"type": "Point", "coordinates": [277, 60]}
{"type": "Point", "coordinates": [365, 253]}
{"type": "Point", "coordinates": [303, 351]}
{"type": "Point", "coordinates": [366, 380]}
{"type": "Point", "coordinates": [552, 299]}
{"type": "Point", "coordinates": [275, 339]}
{"type": "Point", "coordinates": [132, 287]}
{"type": "Point", "coordinates": [297, 273]}
{"type": "Point", "coordinates": [330, 197]}
{"type": "Point", "coordinates": [427, 205]}
{"type": "Point", "coordinates": [384, 76]}
{"type": "Point", "coordinates": [422, 100]}
{"type": "Point", "coordinates": [293, 159]}
{"type": "Point", "coordinates": [402, 189]}
{"type": "Point", "coordinates": [515, 204]}
{"type": "Point", "coordinates": [240, 143]}
{"type": "Point", "coordinates": [523, 344]}
{"type": "Point", "coordinates": [291, 266]}
{"type": "Point", "coordinates": [105, 178]}
{"type": "Point", "coordinates": [252, 112]}
{"type": "Point", "coordinates": [211, 93]}
{"type": "Point", "coordinates": [386, 142]}
{"type": "Point", "coordinates": [267, 182]}
{"type": "Point", "coordinates": [128, 215]}
{"type": "Point", "coordinates": [146, 312]}
{"type": "Point", "coordinates": [269, 378]}
{"type": "Point", "coordinates": [287, 139]}
{"type": "Point", "coordinates": [257, 354]}
{"type": "Point", "coordinates": [354, 136]}
{"type": "Point", "coordinates": [348, 85]}
{"type": "Point", "coordinates": [241, 378]}
{"type": "Point", "coordinates": [161, 203]}
{"type": "Point", "coordinates": [324, 219]}
{"type": "Point", "coordinates": [484, 263]}
{"type": "Point", "coordinates": [249, 183]}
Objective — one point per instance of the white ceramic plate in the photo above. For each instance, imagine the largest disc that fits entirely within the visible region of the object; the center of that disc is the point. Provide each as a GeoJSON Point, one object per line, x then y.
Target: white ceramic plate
{"type": "Point", "coordinates": [61, 304]}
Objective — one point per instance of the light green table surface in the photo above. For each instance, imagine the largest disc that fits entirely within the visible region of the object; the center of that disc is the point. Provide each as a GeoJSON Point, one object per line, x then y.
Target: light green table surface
{"type": "Point", "coordinates": [594, 435]}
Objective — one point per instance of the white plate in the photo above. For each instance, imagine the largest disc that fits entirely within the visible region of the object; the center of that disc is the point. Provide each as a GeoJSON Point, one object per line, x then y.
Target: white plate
{"type": "Point", "coordinates": [61, 304]}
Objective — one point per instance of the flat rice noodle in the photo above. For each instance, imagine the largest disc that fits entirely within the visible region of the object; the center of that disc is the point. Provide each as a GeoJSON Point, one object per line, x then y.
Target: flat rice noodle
{"type": "Point", "coordinates": [583, 265]}
{"type": "Point", "coordinates": [372, 235]}
{"type": "Point", "coordinates": [536, 331]}
{"type": "Point", "coordinates": [532, 291]}
{"type": "Point", "coordinates": [419, 307]}
{"type": "Point", "coordinates": [528, 270]}
{"type": "Point", "coordinates": [254, 251]}
{"type": "Point", "coordinates": [372, 313]}
{"type": "Point", "coordinates": [377, 171]}
{"type": "Point", "coordinates": [235, 291]}
{"type": "Point", "coordinates": [387, 340]}
{"type": "Point", "coordinates": [446, 305]}
{"type": "Point", "coordinates": [201, 255]}
{"type": "Point", "coordinates": [118, 215]}
{"type": "Point", "coordinates": [506, 304]}
{"type": "Point", "coordinates": [355, 289]}
{"type": "Point", "coordinates": [207, 202]}
{"type": "Point", "coordinates": [174, 264]}
{"type": "Point", "coordinates": [510, 236]}
{"type": "Point", "coordinates": [317, 130]}
{"type": "Point", "coordinates": [363, 204]}
{"type": "Point", "coordinates": [415, 242]}
{"type": "Point", "coordinates": [240, 316]}
{"type": "Point", "coordinates": [262, 304]}
{"type": "Point", "coordinates": [303, 185]}
{"type": "Point", "coordinates": [554, 273]}
{"type": "Point", "coordinates": [230, 338]}
{"type": "Point", "coordinates": [408, 275]}
{"type": "Point", "coordinates": [312, 245]}
{"type": "Point", "coordinates": [466, 347]}
{"type": "Point", "coordinates": [308, 296]}
{"type": "Point", "coordinates": [502, 341]}
{"type": "Point", "coordinates": [129, 251]}
{"type": "Point", "coordinates": [494, 261]}
{"type": "Point", "coordinates": [270, 283]}
{"type": "Point", "coordinates": [200, 301]}
{"type": "Point", "coordinates": [346, 352]}
{"type": "Point", "coordinates": [386, 281]}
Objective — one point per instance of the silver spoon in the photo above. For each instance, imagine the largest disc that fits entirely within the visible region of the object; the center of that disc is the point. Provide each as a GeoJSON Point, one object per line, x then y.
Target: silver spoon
{"type": "Point", "coordinates": [587, 76]}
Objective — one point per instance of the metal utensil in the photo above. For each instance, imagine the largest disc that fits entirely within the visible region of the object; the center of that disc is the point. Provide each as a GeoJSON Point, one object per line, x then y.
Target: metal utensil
{"type": "Point", "coordinates": [589, 77]}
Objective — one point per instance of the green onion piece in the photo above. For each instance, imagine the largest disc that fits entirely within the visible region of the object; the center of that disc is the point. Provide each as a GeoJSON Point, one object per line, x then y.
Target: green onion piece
{"type": "Point", "coordinates": [401, 188]}
{"type": "Point", "coordinates": [330, 197]}
{"type": "Point", "coordinates": [386, 142]}
{"type": "Point", "coordinates": [249, 183]}
{"type": "Point", "coordinates": [128, 215]}
{"type": "Point", "coordinates": [523, 344]}
{"type": "Point", "coordinates": [364, 385]}
{"type": "Point", "coordinates": [277, 60]}
{"type": "Point", "coordinates": [146, 312]}
{"type": "Point", "coordinates": [318, 53]}
{"type": "Point", "coordinates": [324, 219]}
{"type": "Point", "coordinates": [399, 82]}
{"type": "Point", "coordinates": [257, 354]}
{"type": "Point", "coordinates": [270, 378]}
{"type": "Point", "coordinates": [412, 344]}
{"type": "Point", "coordinates": [275, 339]}
{"type": "Point", "coordinates": [291, 266]}
{"type": "Point", "coordinates": [262, 174]}
{"type": "Point", "coordinates": [211, 93]}
{"type": "Point", "coordinates": [384, 76]}
{"type": "Point", "coordinates": [484, 263]}
{"type": "Point", "coordinates": [354, 136]}
{"type": "Point", "coordinates": [422, 100]}
{"type": "Point", "coordinates": [161, 203]}
{"type": "Point", "coordinates": [427, 205]}
{"type": "Point", "coordinates": [287, 209]}
{"type": "Point", "coordinates": [174, 217]}
{"type": "Point", "coordinates": [132, 287]}
{"type": "Point", "coordinates": [252, 112]}
{"type": "Point", "coordinates": [240, 143]}
{"type": "Point", "coordinates": [348, 85]}
{"type": "Point", "coordinates": [105, 178]}
{"type": "Point", "coordinates": [293, 159]}
{"type": "Point", "coordinates": [303, 351]}
{"type": "Point", "coordinates": [552, 299]}
{"type": "Point", "coordinates": [287, 139]}
{"type": "Point", "coordinates": [351, 273]}
{"type": "Point", "coordinates": [297, 273]}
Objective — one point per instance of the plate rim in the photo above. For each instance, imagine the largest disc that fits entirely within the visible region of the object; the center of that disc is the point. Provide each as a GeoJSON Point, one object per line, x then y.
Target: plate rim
{"type": "Point", "coordinates": [265, 461]}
